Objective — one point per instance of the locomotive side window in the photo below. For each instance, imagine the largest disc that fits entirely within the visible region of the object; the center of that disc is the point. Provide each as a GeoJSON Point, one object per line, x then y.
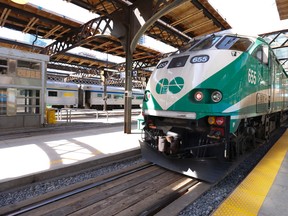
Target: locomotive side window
{"type": "Point", "coordinates": [178, 62]}
{"type": "Point", "coordinates": [260, 55]}
{"type": "Point", "coordinates": [234, 43]}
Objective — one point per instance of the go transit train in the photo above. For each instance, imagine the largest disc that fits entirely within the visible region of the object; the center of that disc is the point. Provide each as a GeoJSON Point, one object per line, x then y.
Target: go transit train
{"type": "Point", "coordinates": [207, 103]}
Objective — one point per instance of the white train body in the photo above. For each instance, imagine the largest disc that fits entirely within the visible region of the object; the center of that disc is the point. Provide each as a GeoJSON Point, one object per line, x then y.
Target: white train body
{"type": "Point", "coordinates": [60, 94]}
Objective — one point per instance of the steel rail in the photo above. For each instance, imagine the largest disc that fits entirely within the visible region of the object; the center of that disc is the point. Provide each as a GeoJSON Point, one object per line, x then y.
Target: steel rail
{"type": "Point", "coordinates": [76, 191]}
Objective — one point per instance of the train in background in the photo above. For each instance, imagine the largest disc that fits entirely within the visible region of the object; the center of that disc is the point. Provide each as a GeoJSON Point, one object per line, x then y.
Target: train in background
{"type": "Point", "coordinates": [206, 104]}
{"type": "Point", "coordinates": [72, 95]}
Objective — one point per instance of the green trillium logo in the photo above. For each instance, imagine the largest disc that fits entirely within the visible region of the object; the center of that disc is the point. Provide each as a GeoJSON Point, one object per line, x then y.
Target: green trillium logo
{"type": "Point", "coordinates": [174, 86]}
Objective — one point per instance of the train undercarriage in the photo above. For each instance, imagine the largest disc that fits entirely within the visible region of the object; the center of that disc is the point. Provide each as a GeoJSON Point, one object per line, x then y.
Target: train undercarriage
{"type": "Point", "coordinates": [202, 148]}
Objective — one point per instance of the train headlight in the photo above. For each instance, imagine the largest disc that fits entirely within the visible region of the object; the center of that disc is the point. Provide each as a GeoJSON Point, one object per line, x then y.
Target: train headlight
{"type": "Point", "coordinates": [211, 120]}
{"type": "Point", "coordinates": [198, 96]}
{"type": "Point", "coordinates": [220, 121]}
{"type": "Point", "coordinates": [216, 96]}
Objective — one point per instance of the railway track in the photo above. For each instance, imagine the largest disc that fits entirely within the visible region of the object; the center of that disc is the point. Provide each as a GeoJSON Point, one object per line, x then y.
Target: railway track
{"type": "Point", "coordinates": [143, 189]}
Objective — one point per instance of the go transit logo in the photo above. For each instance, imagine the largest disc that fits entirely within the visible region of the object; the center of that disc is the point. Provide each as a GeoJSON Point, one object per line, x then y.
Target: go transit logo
{"type": "Point", "coordinates": [174, 86]}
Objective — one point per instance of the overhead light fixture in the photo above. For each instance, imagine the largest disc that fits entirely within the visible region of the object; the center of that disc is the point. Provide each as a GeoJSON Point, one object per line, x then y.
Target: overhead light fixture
{"type": "Point", "coordinates": [20, 1]}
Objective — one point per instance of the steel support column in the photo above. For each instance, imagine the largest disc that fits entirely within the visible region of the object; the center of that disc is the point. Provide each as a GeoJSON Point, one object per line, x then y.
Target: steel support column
{"type": "Point", "coordinates": [128, 77]}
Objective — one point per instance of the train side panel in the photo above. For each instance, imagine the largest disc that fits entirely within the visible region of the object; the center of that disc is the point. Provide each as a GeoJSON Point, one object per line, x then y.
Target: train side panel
{"type": "Point", "coordinates": [62, 94]}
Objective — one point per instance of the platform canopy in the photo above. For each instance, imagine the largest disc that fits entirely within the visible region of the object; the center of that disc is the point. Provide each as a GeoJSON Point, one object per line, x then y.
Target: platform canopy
{"type": "Point", "coordinates": [279, 42]}
{"type": "Point", "coordinates": [173, 22]}
{"type": "Point", "coordinates": [282, 6]}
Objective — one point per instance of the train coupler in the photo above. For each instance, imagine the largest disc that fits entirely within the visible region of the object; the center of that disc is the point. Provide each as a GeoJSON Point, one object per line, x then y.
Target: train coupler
{"type": "Point", "coordinates": [168, 144]}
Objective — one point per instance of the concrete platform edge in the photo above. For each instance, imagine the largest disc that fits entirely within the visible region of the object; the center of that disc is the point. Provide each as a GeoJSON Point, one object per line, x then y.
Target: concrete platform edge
{"type": "Point", "coordinates": [41, 176]}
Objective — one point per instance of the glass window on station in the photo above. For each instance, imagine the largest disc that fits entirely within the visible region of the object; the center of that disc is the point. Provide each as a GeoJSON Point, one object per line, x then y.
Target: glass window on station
{"type": "Point", "coordinates": [3, 101]}
{"type": "Point", "coordinates": [29, 64]}
{"type": "Point", "coordinates": [29, 69]}
{"type": "Point", "coordinates": [99, 95]}
{"type": "Point", "coordinates": [28, 101]}
{"type": "Point", "coordinates": [3, 66]}
{"type": "Point", "coordinates": [109, 95]}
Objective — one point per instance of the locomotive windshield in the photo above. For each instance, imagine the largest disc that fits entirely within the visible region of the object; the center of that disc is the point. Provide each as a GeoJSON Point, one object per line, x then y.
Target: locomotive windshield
{"type": "Point", "coordinates": [234, 43]}
{"type": "Point", "coordinates": [206, 43]}
{"type": "Point", "coordinates": [187, 46]}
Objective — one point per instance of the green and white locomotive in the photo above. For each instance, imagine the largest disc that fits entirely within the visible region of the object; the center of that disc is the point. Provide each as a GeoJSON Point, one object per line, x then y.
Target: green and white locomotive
{"type": "Point", "coordinates": [210, 101]}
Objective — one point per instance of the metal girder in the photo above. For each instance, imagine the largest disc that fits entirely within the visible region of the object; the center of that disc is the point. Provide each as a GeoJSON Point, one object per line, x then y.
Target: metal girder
{"type": "Point", "coordinates": [73, 68]}
{"type": "Point", "coordinates": [119, 8]}
{"type": "Point", "coordinates": [19, 45]}
{"type": "Point", "coordinates": [162, 10]}
{"type": "Point", "coordinates": [87, 60]}
{"type": "Point", "coordinates": [30, 16]}
{"type": "Point", "coordinates": [145, 63]}
{"type": "Point", "coordinates": [103, 25]}
{"type": "Point", "coordinates": [278, 41]}
{"type": "Point", "coordinates": [102, 7]}
{"type": "Point", "coordinates": [141, 63]}
{"type": "Point", "coordinates": [208, 14]}
{"type": "Point", "coordinates": [99, 26]}
{"type": "Point", "coordinates": [159, 31]}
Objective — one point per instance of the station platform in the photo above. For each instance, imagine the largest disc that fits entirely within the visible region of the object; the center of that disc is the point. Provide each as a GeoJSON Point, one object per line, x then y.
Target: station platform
{"type": "Point", "coordinates": [264, 192]}
{"type": "Point", "coordinates": [24, 156]}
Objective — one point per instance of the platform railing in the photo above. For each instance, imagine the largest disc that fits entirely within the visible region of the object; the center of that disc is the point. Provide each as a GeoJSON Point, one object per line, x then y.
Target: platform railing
{"type": "Point", "coordinates": [68, 113]}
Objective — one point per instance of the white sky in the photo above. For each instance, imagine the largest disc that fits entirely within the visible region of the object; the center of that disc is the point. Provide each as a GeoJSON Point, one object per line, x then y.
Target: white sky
{"type": "Point", "coordinates": [250, 16]}
{"type": "Point", "coordinates": [66, 9]}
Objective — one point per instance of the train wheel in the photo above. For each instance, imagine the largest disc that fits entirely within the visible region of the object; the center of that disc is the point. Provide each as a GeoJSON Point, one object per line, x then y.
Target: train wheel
{"type": "Point", "coordinates": [247, 142]}
{"type": "Point", "coordinates": [250, 142]}
{"type": "Point", "coordinates": [241, 143]}
{"type": "Point", "coordinates": [234, 148]}
{"type": "Point", "coordinates": [267, 129]}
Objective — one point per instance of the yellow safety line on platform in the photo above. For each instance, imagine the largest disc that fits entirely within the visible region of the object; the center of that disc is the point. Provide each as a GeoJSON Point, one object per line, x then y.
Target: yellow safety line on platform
{"type": "Point", "coordinates": [249, 196]}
